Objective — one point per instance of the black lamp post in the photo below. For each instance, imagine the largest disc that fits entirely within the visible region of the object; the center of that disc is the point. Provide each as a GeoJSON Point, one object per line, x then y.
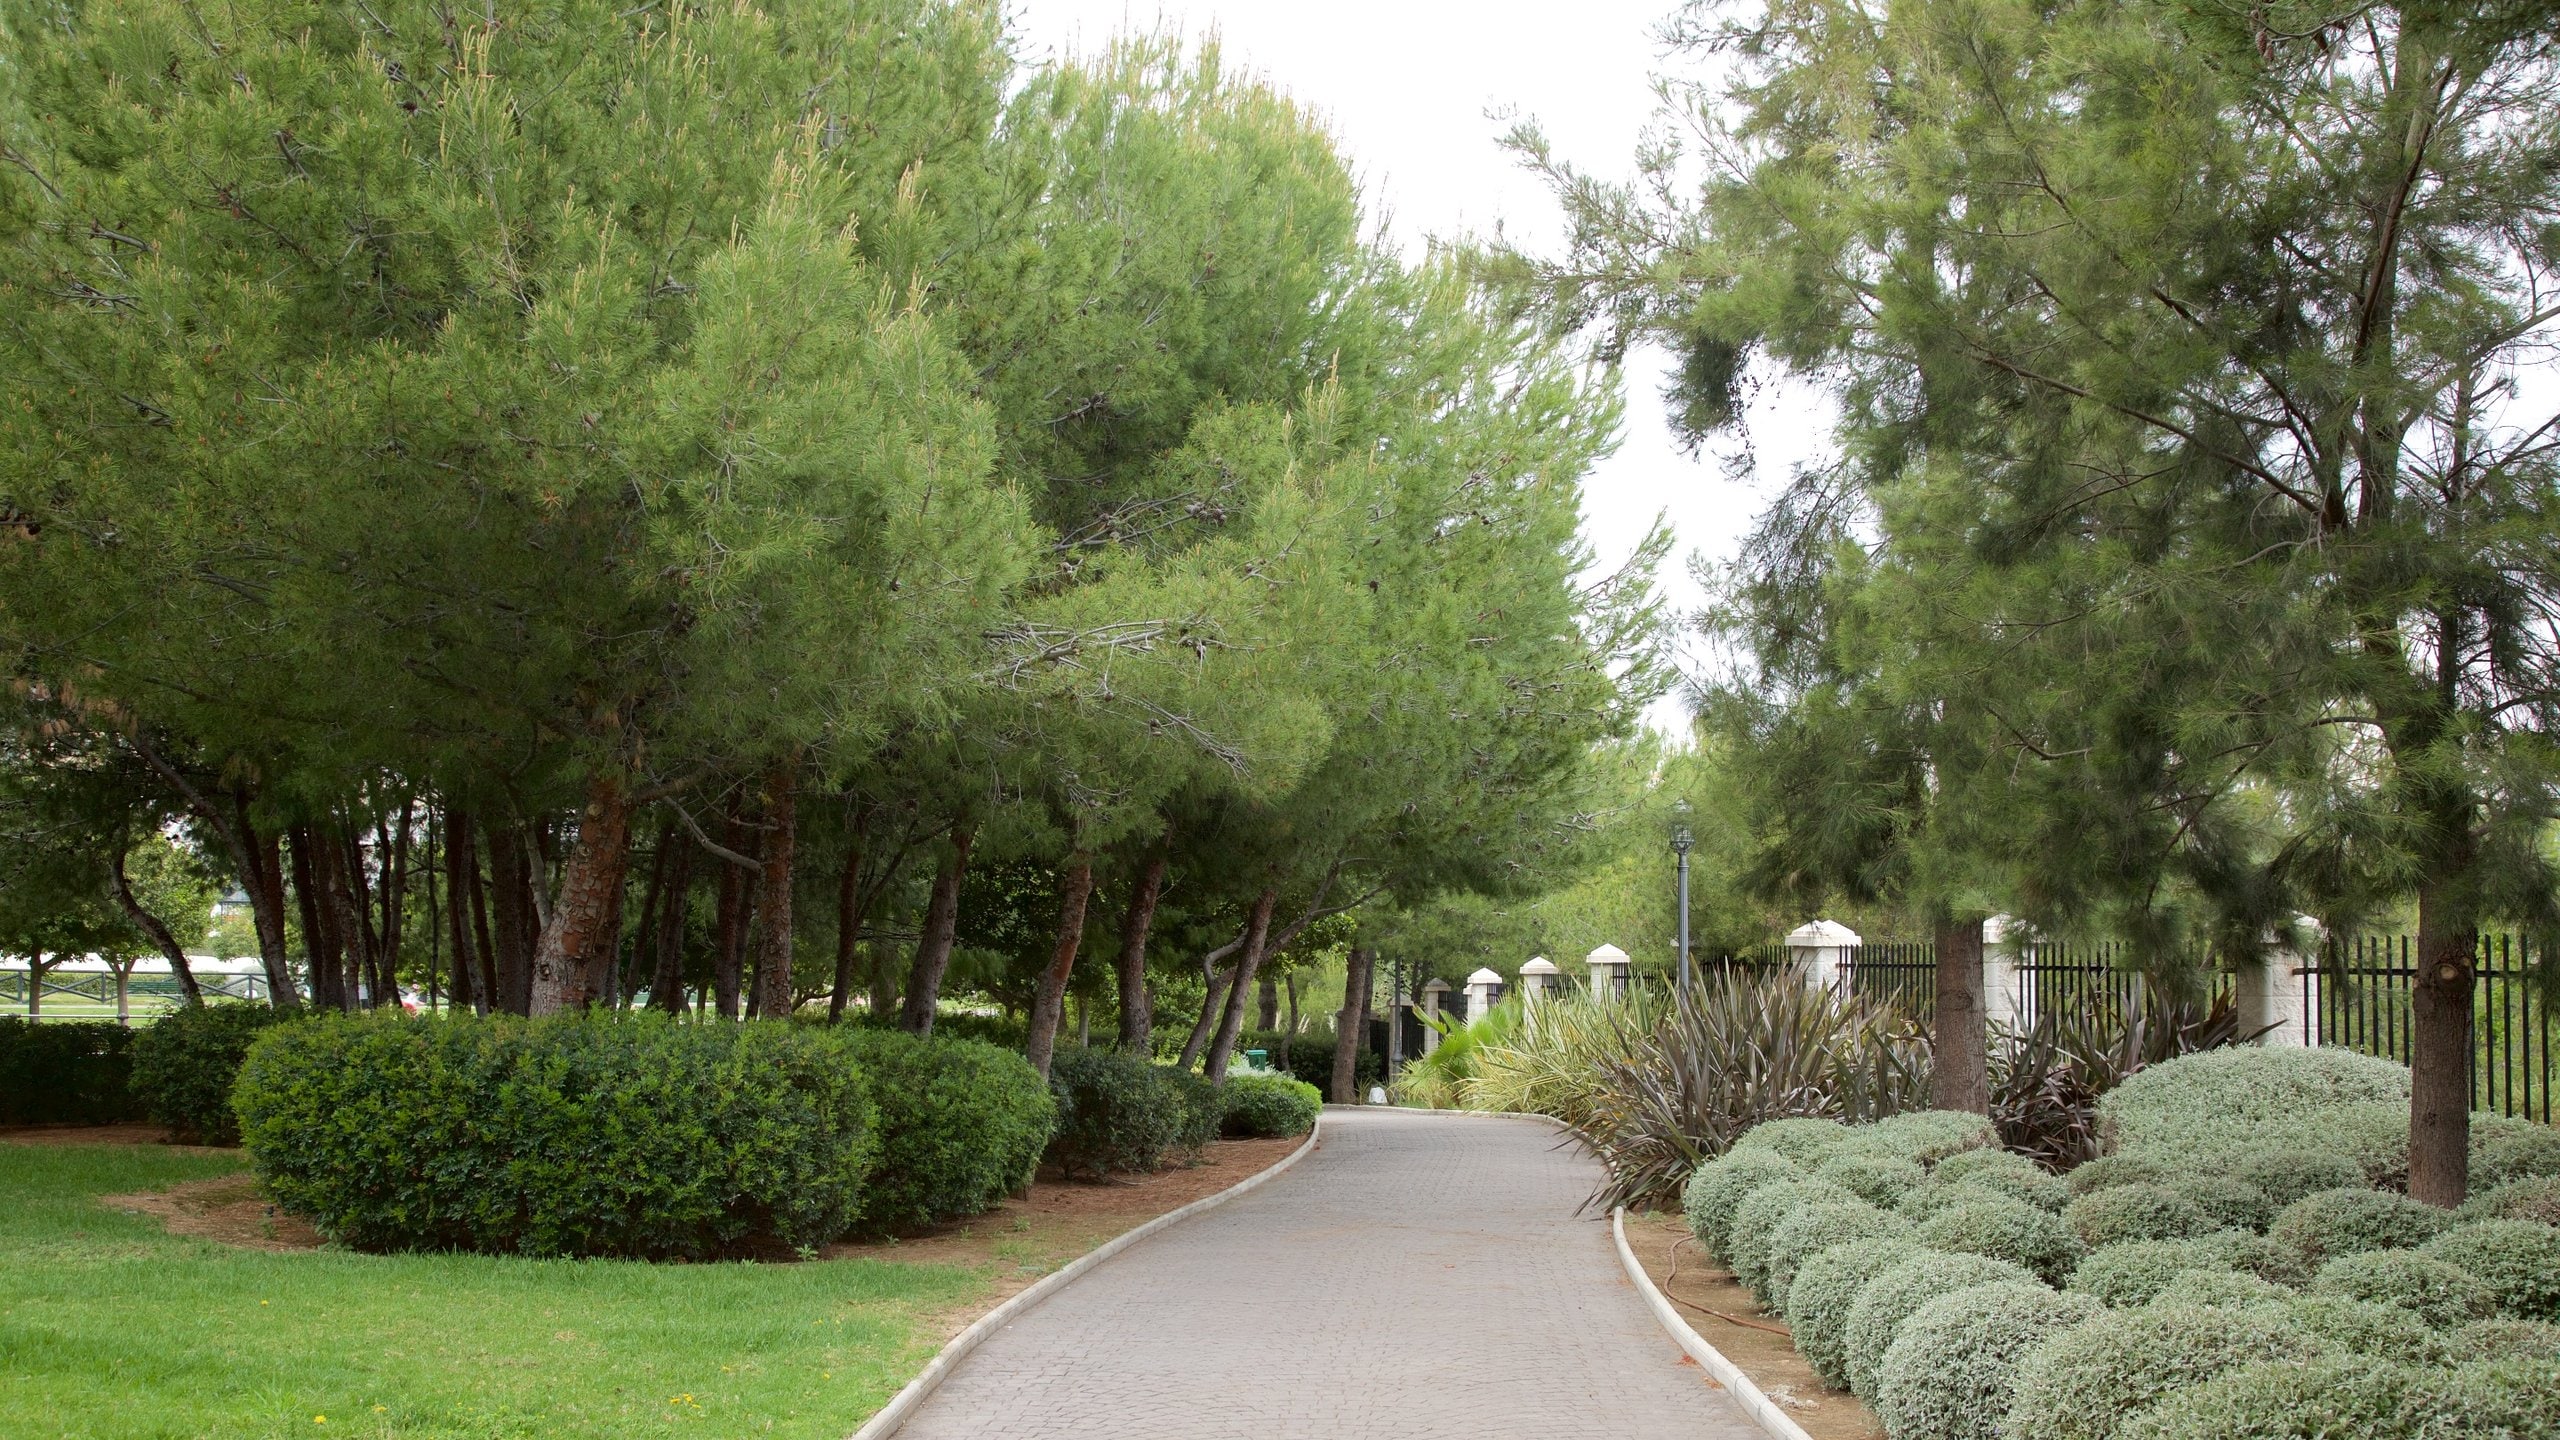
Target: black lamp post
{"type": "Point", "coordinates": [1681, 840]}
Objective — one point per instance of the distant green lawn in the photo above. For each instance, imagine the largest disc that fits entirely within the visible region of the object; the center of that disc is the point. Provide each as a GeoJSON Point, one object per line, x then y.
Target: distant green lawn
{"type": "Point", "coordinates": [111, 1327]}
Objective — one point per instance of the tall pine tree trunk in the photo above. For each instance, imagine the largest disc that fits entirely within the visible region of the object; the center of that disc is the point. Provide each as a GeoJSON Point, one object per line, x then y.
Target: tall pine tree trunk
{"type": "Point", "coordinates": [512, 923]}
{"type": "Point", "coordinates": [941, 929]}
{"type": "Point", "coordinates": [848, 924]}
{"type": "Point", "coordinates": [585, 923]}
{"type": "Point", "coordinates": [1959, 1047]}
{"type": "Point", "coordinates": [263, 876]}
{"type": "Point", "coordinates": [1075, 889]}
{"type": "Point", "coordinates": [1351, 1025]}
{"type": "Point", "coordinates": [1213, 1005]}
{"type": "Point", "coordinates": [1137, 1006]}
{"type": "Point", "coordinates": [151, 925]}
{"type": "Point", "coordinates": [2440, 1048]}
{"type": "Point", "coordinates": [467, 992]}
{"type": "Point", "coordinates": [1266, 1002]}
{"type": "Point", "coordinates": [319, 927]}
{"type": "Point", "coordinates": [773, 889]}
{"type": "Point", "coordinates": [1257, 933]}
{"type": "Point", "coordinates": [644, 940]}
{"type": "Point", "coordinates": [737, 896]}
{"type": "Point", "coordinates": [666, 983]}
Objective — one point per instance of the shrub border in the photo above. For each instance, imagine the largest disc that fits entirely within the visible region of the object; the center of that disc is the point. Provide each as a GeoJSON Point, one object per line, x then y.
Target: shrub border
{"type": "Point", "coordinates": [890, 1417]}
{"type": "Point", "coordinates": [1763, 1411]}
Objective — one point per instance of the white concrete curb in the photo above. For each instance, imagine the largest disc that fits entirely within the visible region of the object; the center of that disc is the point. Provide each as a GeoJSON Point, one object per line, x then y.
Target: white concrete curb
{"type": "Point", "coordinates": [1763, 1411]}
{"type": "Point", "coordinates": [894, 1414]}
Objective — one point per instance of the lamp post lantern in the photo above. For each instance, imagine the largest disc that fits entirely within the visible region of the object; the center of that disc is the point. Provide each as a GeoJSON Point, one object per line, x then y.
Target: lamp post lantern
{"type": "Point", "coordinates": [1681, 840]}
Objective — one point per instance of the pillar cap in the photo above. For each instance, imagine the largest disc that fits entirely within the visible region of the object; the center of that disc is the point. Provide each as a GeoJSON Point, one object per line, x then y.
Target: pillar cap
{"type": "Point", "coordinates": [2001, 929]}
{"type": "Point", "coordinates": [1539, 965]}
{"type": "Point", "coordinates": [1606, 955]}
{"type": "Point", "coordinates": [1484, 977]}
{"type": "Point", "coordinates": [1441, 986]}
{"type": "Point", "coordinates": [1822, 934]}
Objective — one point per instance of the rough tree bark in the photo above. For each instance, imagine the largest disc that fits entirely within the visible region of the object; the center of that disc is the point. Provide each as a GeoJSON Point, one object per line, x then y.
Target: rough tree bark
{"type": "Point", "coordinates": [264, 880]}
{"type": "Point", "coordinates": [1213, 1005]}
{"type": "Point", "coordinates": [1257, 935]}
{"type": "Point", "coordinates": [773, 889]}
{"type": "Point", "coordinates": [583, 928]}
{"type": "Point", "coordinates": [339, 868]}
{"type": "Point", "coordinates": [319, 928]}
{"type": "Point", "coordinates": [666, 983]}
{"type": "Point", "coordinates": [1959, 1075]}
{"type": "Point", "coordinates": [941, 928]}
{"type": "Point", "coordinates": [2440, 1051]}
{"type": "Point", "coordinates": [736, 899]}
{"type": "Point", "coordinates": [1137, 1006]}
{"type": "Point", "coordinates": [152, 926]}
{"type": "Point", "coordinates": [511, 916]}
{"type": "Point", "coordinates": [1351, 1024]}
{"type": "Point", "coordinates": [1075, 890]}
{"type": "Point", "coordinates": [467, 990]}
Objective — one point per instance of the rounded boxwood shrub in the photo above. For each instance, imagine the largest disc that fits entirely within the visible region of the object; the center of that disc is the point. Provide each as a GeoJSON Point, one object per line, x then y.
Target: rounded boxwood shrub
{"type": "Point", "coordinates": [1756, 1220]}
{"type": "Point", "coordinates": [2440, 1294]}
{"type": "Point", "coordinates": [1930, 1136]}
{"type": "Point", "coordinates": [2360, 1327]}
{"type": "Point", "coordinates": [65, 1072]}
{"type": "Point", "coordinates": [1932, 1200]}
{"type": "Point", "coordinates": [2319, 1228]}
{"type": "Point", "coordinates": [1816, 1228]}
{"type": "Point", "coordinates": [2215, 1285]}
{"type": "Point", "coordinates": [962, 1125]}
{"type": "Point", "coordinates": [2015, 1176]}
{"type": "Point", "coordinates": [2141, 1210]}
{"type": "Point", "coordinates": [1803, 1139]}
{"type": "Point", "coordinates": [2507, 1148]}
{"type": "Point", "coordinates": [2006, 1229]}
{"type": "Point", "coordinates": [2517, 1260]}
{"type": "Point", "coordinates": [598, 1134]}
{"type": "Point", "coordinates": [2213, 1103]}
{"type": "Point", "coordinates": [2230, 1204]}
{"type": "Point", "coordinates": [2329, 1396]}
{"type": "Point", "coordinates": [2286, 1173]}
{"type": "Point", "coordinates": [2108, 1171]}
{"type": "Point", "coordinates": [2508, 1398]}
{"type": "Point", "coordinates": [2134, 1272]}
{"type": "Point", "coordinates": [1825, 1289]}
{"type": "Point", "coordinates": [2089, 1381]}
{"type": "Point", "coordinates": [1896, 1293]}
{"type": "Point", "coordinates": [1201, 1112]}
{"type": "Point", "coordinates": [2537, 1200]}
{"type": "Point", "coordinates": [2499, 1339]}
{"type": "Point", "coordinates": [1118, 1113]}
{"type": "Point", "coordinates": [1707, 1202]}
{"type": "Point", "coordinates": [1877, 1179]}
{"type": "Point", "coordinates": [1947, 1374]}
{"type": "Point", "coordinates": [184, 1065]}
{"type": "Point", "coordinates": [1269, 1106]}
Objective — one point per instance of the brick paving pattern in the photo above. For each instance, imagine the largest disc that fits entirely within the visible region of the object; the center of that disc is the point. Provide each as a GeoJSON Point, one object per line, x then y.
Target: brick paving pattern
{"type": "Point", "coordinates": [1418, 1276]}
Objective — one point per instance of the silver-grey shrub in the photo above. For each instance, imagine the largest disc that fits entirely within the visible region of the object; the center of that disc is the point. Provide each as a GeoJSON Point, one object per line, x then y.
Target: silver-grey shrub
{"type": "Point", "coordinates": [1892, 1296]}
{"type": "Point", "coordinates": [2089, 1381]}
{"type": "Point", "coordinates": [2517, 1260]}
{"type": "Point", "coordinates": [1825, 1289]}
{"type": "Point", "coordinates": [2132, 1272]}
{"type": "Point", "coordinates": [2005, 1229]}
{"type": "Point", "coordinates": [1817, 1228]}
{"type": "Point", "coordinates": [2436, 1292]}
{"type": "Point", "coordinates": [1715, 1188]}
{"type": "Point", "coordinates": [1948, 1373]}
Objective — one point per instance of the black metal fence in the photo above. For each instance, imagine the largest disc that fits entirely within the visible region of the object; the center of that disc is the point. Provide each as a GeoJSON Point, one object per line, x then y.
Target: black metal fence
{"type": "Point", "coordinates": [2357, 998]}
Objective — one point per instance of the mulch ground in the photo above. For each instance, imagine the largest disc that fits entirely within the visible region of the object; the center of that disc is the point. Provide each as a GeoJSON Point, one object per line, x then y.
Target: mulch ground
{"type": "Point", "coordinates": [1727, 1317]}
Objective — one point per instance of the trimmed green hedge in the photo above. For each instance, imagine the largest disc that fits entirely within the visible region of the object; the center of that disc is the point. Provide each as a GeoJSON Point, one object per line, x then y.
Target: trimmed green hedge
{"type": "Point", "coordinates": [184, 1066]}
{"type": "Point", "coordinates": [597, 1134]}
{"type": "Point", "coordinates": [962, 1125]}
{"type": "Point", "coordinates": [65, 1072]}
{"type": "Point", "coordinates": [1118, 1113]}
{"type": "Point", "coordinates": [1203, 1112]}
{"type": "Point", "coordinates": [2015, 1176]}
{"type": "Point", "coordinates": [1269, 1106]}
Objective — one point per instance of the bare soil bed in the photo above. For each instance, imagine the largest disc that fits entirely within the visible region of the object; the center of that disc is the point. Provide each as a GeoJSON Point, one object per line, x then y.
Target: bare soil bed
{"type": "Point", "coordinates": [1723, 1312]}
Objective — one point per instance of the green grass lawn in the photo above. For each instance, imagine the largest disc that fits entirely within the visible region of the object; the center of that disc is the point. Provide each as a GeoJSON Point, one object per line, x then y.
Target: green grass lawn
{"type": "Point", "coordinates": [112, 1327]}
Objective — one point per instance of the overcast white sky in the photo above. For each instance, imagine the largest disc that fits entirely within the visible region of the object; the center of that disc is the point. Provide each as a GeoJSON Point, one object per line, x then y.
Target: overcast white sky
{"type": "Point", "coordinates": [1406, 86]}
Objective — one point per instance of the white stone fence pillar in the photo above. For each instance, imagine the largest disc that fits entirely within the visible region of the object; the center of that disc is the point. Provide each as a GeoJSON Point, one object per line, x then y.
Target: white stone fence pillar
{"type": "Point", "coordinates": [1483, 988]}
{"type": "Point", "coordinates": [2283, 990]}
{"type": "Point", "coordinates": [1538, 979]}
{"type": "Point", "coordinates": [2007, 996]}
{"type": "Point", "coordinates": [1608, 973]}
{"type": "Point", "coordinates": [1820, 951]}
{"type": "Point", "coordinates": [1432, 996]}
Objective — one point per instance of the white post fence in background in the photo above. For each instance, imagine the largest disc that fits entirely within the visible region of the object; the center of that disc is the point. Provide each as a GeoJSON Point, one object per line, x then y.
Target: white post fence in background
{"type": "Point", "coordinates": [2007, 998]}
{"type": "Point", "coordinates": [1819, 948]}
{"type": "Point", "coordinates": [1482, 989]}
{"type": "Point", "coordinates": [1432, 996]}
{"type": "Point", "coordinates": [1537, 978]}
{"type": "Point", "coordinates": [1608, 973]}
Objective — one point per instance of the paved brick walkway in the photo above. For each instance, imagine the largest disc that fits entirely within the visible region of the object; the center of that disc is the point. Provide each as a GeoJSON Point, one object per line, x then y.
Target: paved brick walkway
{"type": "Point", "coordinates": [1417, 1277]}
